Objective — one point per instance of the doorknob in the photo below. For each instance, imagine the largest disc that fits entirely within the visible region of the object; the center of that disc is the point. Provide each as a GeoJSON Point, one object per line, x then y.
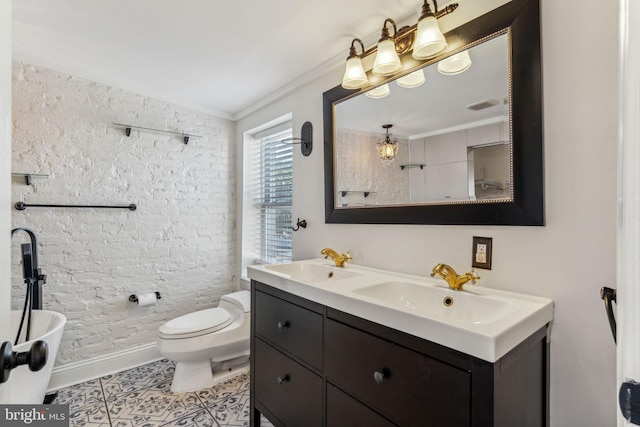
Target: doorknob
{"type": "Point", "coordinates": [35, 358]}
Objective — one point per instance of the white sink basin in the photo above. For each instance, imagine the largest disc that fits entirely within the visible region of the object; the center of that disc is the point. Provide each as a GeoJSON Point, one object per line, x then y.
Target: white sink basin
{"type": "Point", "coordinates": [440, 303]}
{"type": "Point", "coordinates": [479, 321]}
{"type": "Point", "coordinates": [308, 272]}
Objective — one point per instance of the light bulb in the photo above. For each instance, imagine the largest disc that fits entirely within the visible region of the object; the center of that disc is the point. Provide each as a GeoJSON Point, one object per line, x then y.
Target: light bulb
{"type": "Point", "coordinates": [387, 61]}
{"type": "Point", "coordinates": [455, 64]}
{"type": "Point", "coordinates": [429, 39]}
{"type": "Point", "coordinates": [379, 92]}
{"type": "Point", "coordinates": [414, 79]}
{"type": "Point", "coordinates": [354, 75]}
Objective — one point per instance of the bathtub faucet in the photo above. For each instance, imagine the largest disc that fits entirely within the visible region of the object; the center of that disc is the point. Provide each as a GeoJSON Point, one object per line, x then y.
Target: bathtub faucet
{"type": "Point", "coordinates": [31, 272]}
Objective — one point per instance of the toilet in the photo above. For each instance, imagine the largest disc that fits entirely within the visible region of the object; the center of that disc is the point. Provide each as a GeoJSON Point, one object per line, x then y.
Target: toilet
{"type": "Point", "coordinates": [208, 346]}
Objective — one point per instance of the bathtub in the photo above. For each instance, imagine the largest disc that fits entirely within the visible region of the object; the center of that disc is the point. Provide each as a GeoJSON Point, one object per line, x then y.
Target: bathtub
{"type": "Point", "coordinates": [28, 386]}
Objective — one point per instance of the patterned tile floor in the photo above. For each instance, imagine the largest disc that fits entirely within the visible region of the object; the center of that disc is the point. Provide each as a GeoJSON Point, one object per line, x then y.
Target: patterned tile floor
{"type": "Point", "coordinates": [141, 397]}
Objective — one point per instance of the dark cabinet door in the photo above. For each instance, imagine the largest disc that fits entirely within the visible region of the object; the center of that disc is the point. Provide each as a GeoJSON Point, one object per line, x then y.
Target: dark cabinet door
{"type": "Point", "coordinates": [288, 389]}
{"type": "Point", "coordinates": [294, 329]}
{"type": "Point", "coordinates": [407, 387]}
{"type": "Point", "coordinates": [344, 411]}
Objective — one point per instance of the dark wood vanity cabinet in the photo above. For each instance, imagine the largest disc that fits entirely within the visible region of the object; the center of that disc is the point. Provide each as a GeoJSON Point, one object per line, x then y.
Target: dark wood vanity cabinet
{"type": "Point", "coordinates": [312, 365]}
{"type": "Point", "coordinates": [399, 383]}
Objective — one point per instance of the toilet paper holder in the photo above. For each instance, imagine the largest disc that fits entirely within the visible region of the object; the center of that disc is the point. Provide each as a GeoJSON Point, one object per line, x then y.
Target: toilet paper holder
{"type": "Point", "coordinates": [134, 297]}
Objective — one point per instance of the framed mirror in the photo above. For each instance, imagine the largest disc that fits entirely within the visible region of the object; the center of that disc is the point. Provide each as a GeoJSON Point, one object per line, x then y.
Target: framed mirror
{"type": "Point", "coordinates": [466, 145]}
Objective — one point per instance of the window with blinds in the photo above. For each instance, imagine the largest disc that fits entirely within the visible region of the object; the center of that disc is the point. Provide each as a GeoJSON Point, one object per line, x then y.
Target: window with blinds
{"type": "Point", "coordinates": [268, 199]}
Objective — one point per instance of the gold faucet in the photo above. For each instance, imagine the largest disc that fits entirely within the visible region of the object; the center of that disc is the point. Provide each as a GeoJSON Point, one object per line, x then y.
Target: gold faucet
{"type": "Point", "coordinates": [339, 260]}
{"type": "Point", "coordinates": [454, 280]}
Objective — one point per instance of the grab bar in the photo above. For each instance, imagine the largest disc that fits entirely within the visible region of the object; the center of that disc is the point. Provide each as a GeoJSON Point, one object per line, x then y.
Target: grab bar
{"type": "Point", "coordinates": [22, 206]}
{"type": "Point", "coordinates": [608, 295]}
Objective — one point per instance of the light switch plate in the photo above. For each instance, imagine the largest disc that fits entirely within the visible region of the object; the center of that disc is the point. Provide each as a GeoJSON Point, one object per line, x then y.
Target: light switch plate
{"type": "Point", "coordinates": [481, 252]}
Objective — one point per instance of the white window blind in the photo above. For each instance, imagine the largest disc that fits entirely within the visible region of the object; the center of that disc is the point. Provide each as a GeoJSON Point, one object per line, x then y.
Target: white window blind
{"type": "Point", "coordinates": [271, 193]}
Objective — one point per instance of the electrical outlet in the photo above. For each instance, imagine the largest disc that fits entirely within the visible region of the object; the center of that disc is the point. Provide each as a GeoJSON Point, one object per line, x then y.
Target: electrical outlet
{"type": "Point", "coordinates": [481, 252]}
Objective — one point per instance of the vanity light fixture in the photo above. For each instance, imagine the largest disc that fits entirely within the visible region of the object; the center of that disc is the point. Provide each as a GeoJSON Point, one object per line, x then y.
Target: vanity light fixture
{"type": "Point", "coordinates": [414, 79]}
{"type": "Point", "coordinates": [379, 92]}
{"type": "Point", "coordinates": [429, 42]}
{"type": "Point", "coordinates": [455, 64]}
{"type": "Point", "coordinates": [429, 39]}
{"type": "Point", "coordinates": [387, 61]}
{"type": "Point", "coordinates": [354, 75]}
{"type": "Point", "coordinates": [387, 149]}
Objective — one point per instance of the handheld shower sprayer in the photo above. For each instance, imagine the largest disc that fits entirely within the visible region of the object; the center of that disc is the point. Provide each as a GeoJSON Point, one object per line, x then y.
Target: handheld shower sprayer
{"type": "Point", "coordinates": [27, 263]}
{"type": "Point", "coordinates": [33, 278]}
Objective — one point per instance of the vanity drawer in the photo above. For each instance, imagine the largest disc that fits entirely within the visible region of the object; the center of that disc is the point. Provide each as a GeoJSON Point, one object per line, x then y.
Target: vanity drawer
{"type": "Point", "coordinates": [295, 329]}
{"type": "Point", "coordinates": [414, 390]}
{"type": "Point", "coordinates": [288, 389]}
{"type": "Point", "coordinates": [344, 411]}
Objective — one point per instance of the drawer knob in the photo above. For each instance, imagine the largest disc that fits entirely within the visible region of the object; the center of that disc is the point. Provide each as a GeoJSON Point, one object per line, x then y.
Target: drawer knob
{"type": "Point", "coordinates": [378, 376]}
{"type": "Point", "coordinates": [282, 380]}
{"type": "Point", "coordinates": [282, 325]}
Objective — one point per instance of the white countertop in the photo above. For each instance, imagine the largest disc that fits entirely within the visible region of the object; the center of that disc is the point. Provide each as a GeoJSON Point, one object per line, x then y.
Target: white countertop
{"type": "Point", "coordinates": [482, 322]}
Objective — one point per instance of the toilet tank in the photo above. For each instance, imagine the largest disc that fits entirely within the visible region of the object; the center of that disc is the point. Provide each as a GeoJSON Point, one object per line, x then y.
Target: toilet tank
{"type": "Point", "coordinates": [237, 301]}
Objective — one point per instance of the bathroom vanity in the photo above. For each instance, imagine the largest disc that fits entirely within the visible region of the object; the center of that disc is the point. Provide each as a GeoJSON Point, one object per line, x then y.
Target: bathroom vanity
{"type": "Point", "coordinates": [316, 363]}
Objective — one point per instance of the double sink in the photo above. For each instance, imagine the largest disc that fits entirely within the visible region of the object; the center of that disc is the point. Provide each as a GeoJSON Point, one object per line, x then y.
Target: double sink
{"type": "Point", "coordinates": [479, 321]}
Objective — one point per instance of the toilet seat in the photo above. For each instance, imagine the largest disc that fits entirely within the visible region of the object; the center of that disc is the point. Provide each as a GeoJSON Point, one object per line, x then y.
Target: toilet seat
{"type": "Point", "coordinates": [195, 324]}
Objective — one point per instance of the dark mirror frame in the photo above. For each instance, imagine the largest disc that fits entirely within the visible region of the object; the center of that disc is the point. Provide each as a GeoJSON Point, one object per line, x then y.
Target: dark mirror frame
{"type": "Point", "coordinates": [527, 207]}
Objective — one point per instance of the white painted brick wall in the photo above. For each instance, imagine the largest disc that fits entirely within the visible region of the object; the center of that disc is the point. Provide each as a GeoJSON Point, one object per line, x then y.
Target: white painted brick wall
{"type": "Point", "coordinates": [180, 241]}
{"type": "Point", "coordinates": [360, 169]}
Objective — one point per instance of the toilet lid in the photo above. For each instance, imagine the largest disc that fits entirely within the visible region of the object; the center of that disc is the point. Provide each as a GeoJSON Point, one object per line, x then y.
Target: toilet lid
{"type": "Point", "coordinates": [197, 323]}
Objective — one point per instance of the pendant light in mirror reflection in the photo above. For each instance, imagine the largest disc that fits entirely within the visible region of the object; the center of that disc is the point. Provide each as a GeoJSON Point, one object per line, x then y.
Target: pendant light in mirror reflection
{"type": "Point", "coordinates": [429, 42]}
{"type": "Point", "coordinates": [387, 148]}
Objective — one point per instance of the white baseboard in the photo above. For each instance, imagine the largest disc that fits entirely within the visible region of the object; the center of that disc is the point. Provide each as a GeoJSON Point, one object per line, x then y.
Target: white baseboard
{"type": "Point", "coordinates": [85, 370]}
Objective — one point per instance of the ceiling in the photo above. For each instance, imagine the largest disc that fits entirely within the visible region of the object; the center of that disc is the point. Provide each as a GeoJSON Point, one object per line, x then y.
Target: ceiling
{"type": "Point", "coordinates": [220, 57]}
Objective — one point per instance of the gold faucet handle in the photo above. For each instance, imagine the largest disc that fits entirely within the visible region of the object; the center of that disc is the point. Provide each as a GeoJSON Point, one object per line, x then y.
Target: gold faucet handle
{"type": "Point", "coordinates": [474, 276]}
{"type": "Point", "coordinates": [342, 259]}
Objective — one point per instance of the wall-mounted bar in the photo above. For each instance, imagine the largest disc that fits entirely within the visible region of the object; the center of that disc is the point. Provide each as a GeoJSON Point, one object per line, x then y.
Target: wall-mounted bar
{"type": "Point", "coordinates": [365, 193]}
{"type": "Point", "coordinates": [22, 206]}
{"type": "Point", "coordinates": [485, 184]}
{"type": "Point", "coordinates": [128, 128]}
{"type": "Point", "coordinates": [410, 166]}
{"type": "Point", "coordinates": [488, 144]}
{"type": "Point", "coordinates": [28, 177]}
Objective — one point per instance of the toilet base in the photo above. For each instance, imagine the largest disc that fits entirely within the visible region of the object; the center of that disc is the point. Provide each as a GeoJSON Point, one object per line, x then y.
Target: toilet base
{"type": "Point", "coordinates": [193, 376]}
{"type": "Point", "coordinates": [223, 375]}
